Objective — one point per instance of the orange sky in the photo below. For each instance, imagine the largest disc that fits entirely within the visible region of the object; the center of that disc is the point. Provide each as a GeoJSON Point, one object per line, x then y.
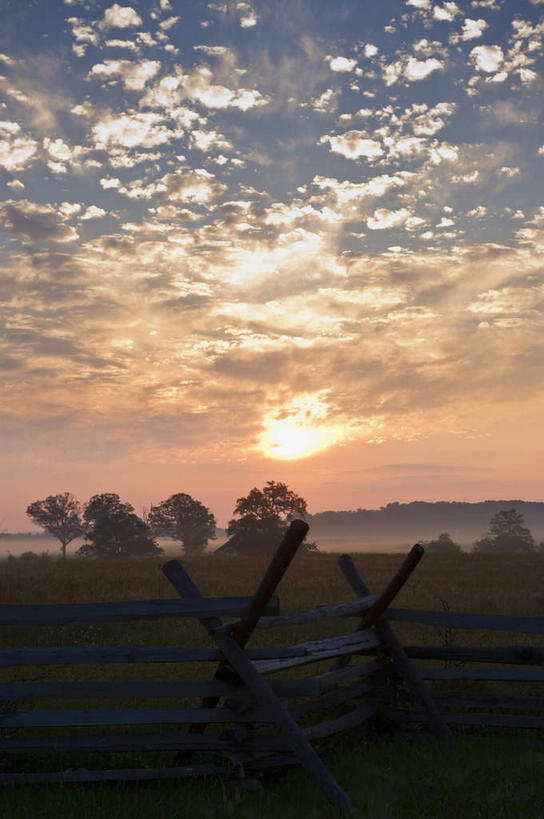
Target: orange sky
{"type": "Point", "coordinates": [240, 245]}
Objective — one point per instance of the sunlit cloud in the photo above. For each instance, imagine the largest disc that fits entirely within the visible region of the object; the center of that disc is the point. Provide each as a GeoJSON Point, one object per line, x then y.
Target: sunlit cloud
{"type": "Point", "coordinates": [118, 16]}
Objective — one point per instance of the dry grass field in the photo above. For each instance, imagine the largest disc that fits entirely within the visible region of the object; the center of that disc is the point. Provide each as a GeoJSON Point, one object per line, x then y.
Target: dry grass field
{"type": "Point", "coordinates": [491, 773]}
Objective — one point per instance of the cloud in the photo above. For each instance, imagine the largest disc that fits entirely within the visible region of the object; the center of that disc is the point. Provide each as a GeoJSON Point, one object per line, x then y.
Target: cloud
{"type": "Point", "coordinates": [411, 68]}
{"type": "Point", "coordinates": [37, 223]}
{"type": "Point", "coordinates": [199, 86]}
{"type": "Point", "coordinates": [147, 130]}
{"type": "Point", "coordinates": [197, 186]}
{"type": "Point", "coordinates": [326, 102]}
{"type": "Point", "coordinates": [204, 140]}
{"type": "Point", "coordinates": [341, 64]}
{"type": "Point", "coordinates": [248, 16]}
{"type": "Point", "coordinates": [353, 145]}
{"type": "Point", "coordinates": [134, 75]}
{"type": "Point", "coordinates": [166, 25]}
{"type": "Point", "coordinates": [93, 212]}
{"type": "Point", "coordinates": [120, 17]}
{"type": "Point", "coordinates": [446, 12]}
{"type": "Point", "coordinates": [128, 44]}
{"type": "Point", "coordinates": [15, 185]}
{"type": "Point", "coordinates": [472, 29]}
{"type": "Point", "coordinates": [383, 218]}
{"type": "Point", "coordinates": [416, 70]}
{"type": "Point", "coordinates": [82, 33]}
{"type": "Point", "coordinates": [487, 58]}
{"type": "Point", "coordinates": [17, 151]}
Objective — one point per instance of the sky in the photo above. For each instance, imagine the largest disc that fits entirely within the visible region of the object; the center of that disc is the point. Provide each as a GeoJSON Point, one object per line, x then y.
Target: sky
{"type": "Point", "coordinates": [284, 240]}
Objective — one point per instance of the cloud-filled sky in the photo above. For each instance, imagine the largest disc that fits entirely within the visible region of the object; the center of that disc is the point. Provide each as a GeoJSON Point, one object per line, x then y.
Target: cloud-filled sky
{"type": "Point", "coordinates": [280, 239]}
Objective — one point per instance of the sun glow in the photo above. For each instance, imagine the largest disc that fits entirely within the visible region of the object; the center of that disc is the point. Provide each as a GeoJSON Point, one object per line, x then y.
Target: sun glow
{"type": "Point", "coordinates": [300, 430]}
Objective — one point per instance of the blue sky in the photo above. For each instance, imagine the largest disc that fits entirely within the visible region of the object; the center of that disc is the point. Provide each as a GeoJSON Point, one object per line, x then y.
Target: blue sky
{"type": "Point", "coordinates": [292, 240]}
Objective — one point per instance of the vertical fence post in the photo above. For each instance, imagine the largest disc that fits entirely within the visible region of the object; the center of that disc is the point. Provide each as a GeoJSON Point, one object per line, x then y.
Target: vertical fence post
{"type": "Point", "coordinates": [387, 636]}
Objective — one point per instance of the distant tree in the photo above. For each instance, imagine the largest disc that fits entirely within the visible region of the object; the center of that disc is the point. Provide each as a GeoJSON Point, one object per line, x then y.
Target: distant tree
{"type": "Point", "coordinates": [29, 556]}
{"type": "Point", "coordinates": [184, 519]}
{"type": "Point", "coordinates": [506, 535]}
{"type": "Point", "coordinates": [60, 515]}
{"type": "Point", "coordinates": [443, 544]}
{"type": "Point", "coordinates": [103, 506]}
{"type": "Point", "coordinates": [263, 518]}
{"type": "Point", "coordinates": [114, 530]}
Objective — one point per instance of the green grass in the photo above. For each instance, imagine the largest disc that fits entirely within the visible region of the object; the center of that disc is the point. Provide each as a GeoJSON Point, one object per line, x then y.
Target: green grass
{"type": "Point", "coordinates": [480, 773]}
{"type": "Point", "coordinates": [470, 777]}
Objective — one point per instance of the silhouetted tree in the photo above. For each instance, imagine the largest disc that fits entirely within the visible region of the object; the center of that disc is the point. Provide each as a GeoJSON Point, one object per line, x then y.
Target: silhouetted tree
{"type": "Point", "coordinates": [114, 530]}
{"type": "Point", "coordinates": [506, 534]}
{"type": "Point", "coordinates": [103, 506]}
{"type": "Point", "coordinates": [184, 519]}
{"type": "Point", "coordinates": [263, 518]}
{"type": "Point", "coordinates": [60, 516]}
{"type": "Point", "coordinates": [443, 544]}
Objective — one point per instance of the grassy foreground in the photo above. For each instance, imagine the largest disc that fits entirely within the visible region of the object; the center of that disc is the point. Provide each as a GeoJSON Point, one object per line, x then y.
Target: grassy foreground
{"type": "Point", "coordinates": [480, 773]}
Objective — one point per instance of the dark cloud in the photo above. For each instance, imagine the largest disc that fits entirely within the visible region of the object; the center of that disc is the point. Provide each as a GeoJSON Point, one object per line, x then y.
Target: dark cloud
{"type": "Point", "coordinates": [36, 223]}
{"type": "Point", "coordinates": [9, 363]}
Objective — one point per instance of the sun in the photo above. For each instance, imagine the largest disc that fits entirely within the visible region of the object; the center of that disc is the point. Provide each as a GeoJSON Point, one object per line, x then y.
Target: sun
{"type": "Point", "coordinates": [287, 439]}
{"type": "Point", "coordinates": [301, 428]}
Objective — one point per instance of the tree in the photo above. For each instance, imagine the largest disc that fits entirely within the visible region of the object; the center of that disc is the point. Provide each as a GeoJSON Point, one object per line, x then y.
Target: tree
{"type": "Point", "coordinates": [103, 506]}
{"type": "Point", "coordinates": [506, 535]}
{"type": "Point", "coordinates": [443, 544]}
{"type": "Point", "coordinates": [114, 530]}
{"type": "Point", "coordinates": [182, 518]}
{"type": "Point", "coordinates": [60, 516]}
{"type": "Point", "coordinates": [263, 518]}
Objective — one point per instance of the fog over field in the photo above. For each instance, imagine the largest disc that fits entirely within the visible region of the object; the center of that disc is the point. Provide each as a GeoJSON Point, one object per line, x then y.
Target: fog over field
{"type": "Point", "coordinates": [393, 528]}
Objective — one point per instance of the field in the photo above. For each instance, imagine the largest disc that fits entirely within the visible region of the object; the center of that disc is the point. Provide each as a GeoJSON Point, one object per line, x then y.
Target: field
{"type": "Point", "coordinates": [480, 773]}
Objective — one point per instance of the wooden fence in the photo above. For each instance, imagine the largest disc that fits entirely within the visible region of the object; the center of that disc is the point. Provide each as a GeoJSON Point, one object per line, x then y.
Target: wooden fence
{"type": "Point", "coordinates": [261, 707]}
{"type": "Point", "coordinates": [484, 684]}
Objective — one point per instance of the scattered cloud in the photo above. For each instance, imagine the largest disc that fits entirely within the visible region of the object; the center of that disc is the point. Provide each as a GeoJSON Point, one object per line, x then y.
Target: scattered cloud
{"type": "Point", "coordinates": [353, 145]}
{"type": "Point", "coordinates": [118, 16]}
{"type": "Point", "coordinates": [134, 75]}
{"type": "Point", "coordinates": [36, 223]}
{"type": "Point", "coordinates": [17, 151]}
{"type": "Point", "coordinates": [341, 64]}
{"type": "Point", "coordinates": [487, 58]}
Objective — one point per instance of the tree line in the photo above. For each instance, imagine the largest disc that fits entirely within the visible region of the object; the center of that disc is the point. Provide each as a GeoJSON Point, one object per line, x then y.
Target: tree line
{"type": "Point", "coordinates": [111, 527]}
{"type": "Point", "coordinates": [506, 535]}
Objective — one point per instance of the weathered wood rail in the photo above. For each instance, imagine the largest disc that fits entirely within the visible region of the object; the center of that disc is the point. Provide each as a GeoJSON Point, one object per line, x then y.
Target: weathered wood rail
{"type": "Point", "coordinates": [259, 708]}
{"type": "Point", "coordinates": [465, 665]}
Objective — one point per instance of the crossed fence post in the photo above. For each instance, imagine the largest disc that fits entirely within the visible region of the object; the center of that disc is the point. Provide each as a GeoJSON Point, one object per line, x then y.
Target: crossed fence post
{"type": "Point", "coordinates": [231, 640]}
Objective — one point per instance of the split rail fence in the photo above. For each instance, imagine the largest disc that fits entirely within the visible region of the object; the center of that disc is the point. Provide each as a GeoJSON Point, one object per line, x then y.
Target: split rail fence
{"type": "Point", "coordinates": [479, 685]}
{"type": "Point", "coordinates": [260, 708]}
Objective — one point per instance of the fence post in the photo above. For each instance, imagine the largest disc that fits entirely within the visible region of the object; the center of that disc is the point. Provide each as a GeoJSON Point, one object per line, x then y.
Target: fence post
{"type": "Point", "coordinates": [387, 636]}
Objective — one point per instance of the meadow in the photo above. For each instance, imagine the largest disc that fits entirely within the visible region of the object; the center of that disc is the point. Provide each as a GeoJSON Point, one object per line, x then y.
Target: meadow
{"type": "Point", "coordinates": [487, 773]}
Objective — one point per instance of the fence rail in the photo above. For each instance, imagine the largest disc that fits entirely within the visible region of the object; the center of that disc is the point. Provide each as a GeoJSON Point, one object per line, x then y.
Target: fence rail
{"type": "Point", "coordinates": [462, 620]}
{"type": "Point", "coordinates": [469, 704]}
{"type": "Point", "coordinates": [68, 614]}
